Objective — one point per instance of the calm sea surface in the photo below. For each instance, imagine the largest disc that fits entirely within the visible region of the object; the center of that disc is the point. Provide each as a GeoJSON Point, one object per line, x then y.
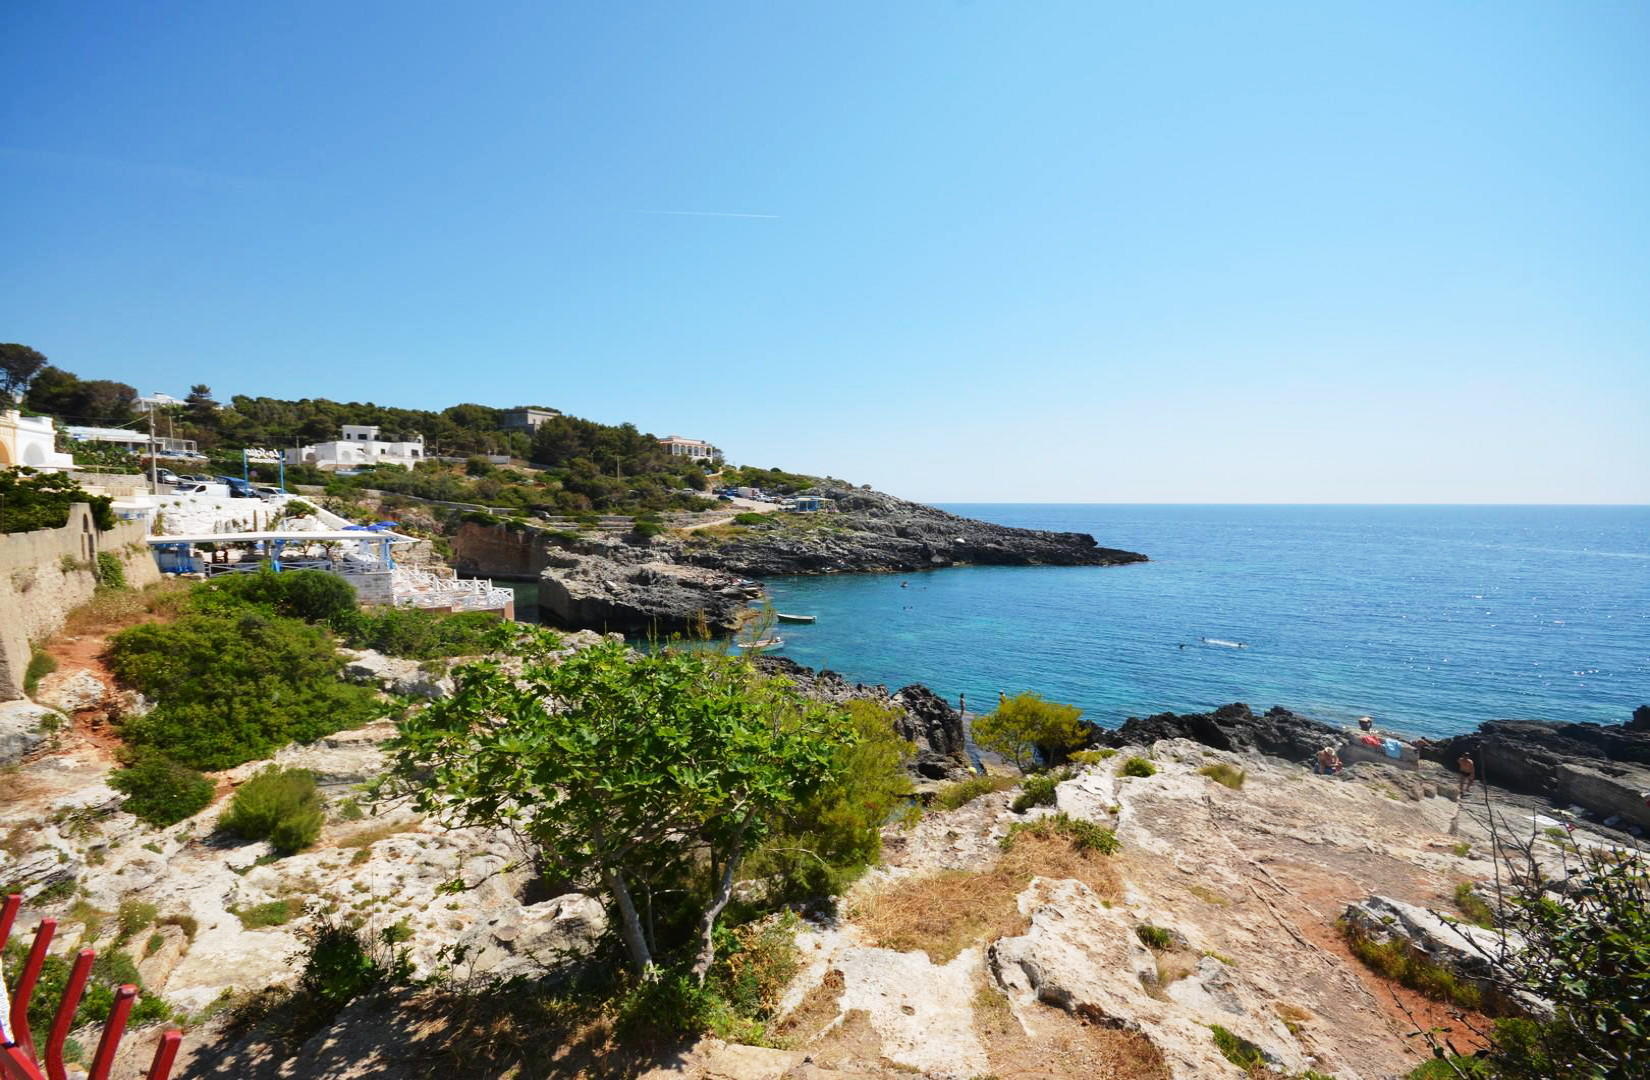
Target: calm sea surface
{"type": "Point", "coordinates": [1431, 619]}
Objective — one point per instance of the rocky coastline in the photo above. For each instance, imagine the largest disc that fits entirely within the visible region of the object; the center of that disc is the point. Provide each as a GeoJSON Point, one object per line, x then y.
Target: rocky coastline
{"type": "Point", "coordinates": [1599, 772]}
{"type": "Point", "coordinates": [699, 579]}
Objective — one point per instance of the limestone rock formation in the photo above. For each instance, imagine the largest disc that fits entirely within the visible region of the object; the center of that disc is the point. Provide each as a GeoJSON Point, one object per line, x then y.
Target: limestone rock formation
{"type": "Point", "coordinates": [426, 679]}
{"type": "Point", "coordinates": [871, 531]}
{"type": "Point", "coordinates": [1602, 768]}
{"type": "Point", "coordinates": [71, 690]}
{"type": "Point", "coordinates": [1279, 732]}
{"type": "Point", "coordinates": [25, 727]}
{"type": "Point", "coordinates": [630, 590]}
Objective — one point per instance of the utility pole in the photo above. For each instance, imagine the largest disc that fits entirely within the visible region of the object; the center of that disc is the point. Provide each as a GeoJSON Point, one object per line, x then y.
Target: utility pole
{"type": "Point", "coordinates": [154, 463]}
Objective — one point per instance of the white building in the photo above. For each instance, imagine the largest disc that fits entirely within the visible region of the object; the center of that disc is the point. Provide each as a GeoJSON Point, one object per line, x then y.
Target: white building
{"type": "Point", "coordinates": [689, 448]}
{"type": "Point", "coordinates": [157, 400]}
{"type": "Point", "coordinates": [359, 445]}
{"type": "Point", "coordinates": [137, 442]}
{"type": "Point", "coordinates": [31, 441]}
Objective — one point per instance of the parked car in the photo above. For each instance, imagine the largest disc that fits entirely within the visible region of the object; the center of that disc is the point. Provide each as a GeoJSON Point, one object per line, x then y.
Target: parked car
{"type": "Point", "coordinates": [238, 488]}
{"type": "Point", "coordinates": [166, 476]}
{"type": "Point", "coordinates": [269, 491]}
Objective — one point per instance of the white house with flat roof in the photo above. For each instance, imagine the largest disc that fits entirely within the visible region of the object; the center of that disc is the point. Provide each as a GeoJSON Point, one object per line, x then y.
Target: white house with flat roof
{"type": "Point", "coordinates": [358, 445]}
{"type": "Point", "coordinates": [31, 441]}
{"type": "Point", "coordinates": [138, 442]}
{"type": "Point", "coordinates": [689, 448]}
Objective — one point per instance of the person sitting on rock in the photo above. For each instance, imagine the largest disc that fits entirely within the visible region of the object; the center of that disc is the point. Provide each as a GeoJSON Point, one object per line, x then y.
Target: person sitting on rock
{"type": "Point", "coordinates": [1467, 770]}
{"type": "Point", "coordinates": [1366, 722]}
{"type": "Point", "coordinates": [1329, 762]}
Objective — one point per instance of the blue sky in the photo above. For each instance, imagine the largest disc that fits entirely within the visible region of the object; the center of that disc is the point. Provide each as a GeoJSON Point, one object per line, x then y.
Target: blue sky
{"type": "Point", "coordinates": [962, 251]}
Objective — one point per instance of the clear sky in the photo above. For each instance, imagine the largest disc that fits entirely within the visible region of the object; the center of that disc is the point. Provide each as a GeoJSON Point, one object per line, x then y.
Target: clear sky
{"type": "Point", "coordinates": [1026, 251]}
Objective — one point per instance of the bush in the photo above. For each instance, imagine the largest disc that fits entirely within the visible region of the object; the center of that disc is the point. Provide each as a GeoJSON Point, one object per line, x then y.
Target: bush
{"type": "Point", "coordinates": [1084, 835]}
{"type": "Point", "coordinates": [40, 664]}
{"type": "Point", "coordinates": [1238, 1050]}
{"type": "Point", "coordinates": [235, 689]}
{"type": "Point", "coordinates": [161, 792]}
{"type": "Point", "coordinates": [1037, 790]}
{"type": "Point", "coordinates": [1468, 902]}
{"type": "Point", "coordinates": [1138, 766]}
{"type": "Point", "coordinates": [829, 837]}
{"type": "Point", "coordinates": [963, 792]}
{"type": "Point", "coordinates": [278, 805]}
{"type": "Point", "coordinates": [1398, 960]}
{"type": "Point", "coordinates": [418, 634]}
{"type": "Point", "coordinates": [750, 518]}
{"type": "Point", "coordinates": [314, 596]}
{"type": "Point", "coordinates": [273, 913]}
{"type": "Point", "coordinates": [31, 500]}
{"type": "Point", "coordinates": [1091, 757]}
{"type": "Point", "coordinates": [1154, 937]}
{"type": "Point", "coordinates": [135, 915]}
{"type": "Point", "coordinates": [1026, 730]}
{"type": "Point", "coordinates": [111, 573]}
{"type": "Point", "coordinates": [110, 970]}
{"type": "Point", "coordinates": [1222, 773]}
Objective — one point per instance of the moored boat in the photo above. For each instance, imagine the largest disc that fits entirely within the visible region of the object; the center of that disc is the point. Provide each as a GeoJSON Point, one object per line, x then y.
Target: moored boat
{"type": "Point", "coordinates": [794, 618]}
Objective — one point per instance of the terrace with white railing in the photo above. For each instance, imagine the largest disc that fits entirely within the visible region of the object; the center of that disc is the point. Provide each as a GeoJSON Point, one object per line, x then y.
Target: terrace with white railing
{"type": "Point", "coordinates": [420, 588]}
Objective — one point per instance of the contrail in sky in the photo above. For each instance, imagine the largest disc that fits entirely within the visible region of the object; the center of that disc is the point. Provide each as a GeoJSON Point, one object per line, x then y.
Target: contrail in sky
{"type": "Point", "coordinates": [709, 213]}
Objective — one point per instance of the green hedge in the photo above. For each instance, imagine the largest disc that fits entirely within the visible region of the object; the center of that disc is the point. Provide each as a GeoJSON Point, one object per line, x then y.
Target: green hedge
{"type": "Point", "coordinates": [234, 689]}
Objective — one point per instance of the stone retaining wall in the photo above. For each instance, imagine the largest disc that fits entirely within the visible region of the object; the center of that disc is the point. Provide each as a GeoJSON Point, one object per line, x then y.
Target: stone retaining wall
{"type": "Point", "coordinates": [47, 573]}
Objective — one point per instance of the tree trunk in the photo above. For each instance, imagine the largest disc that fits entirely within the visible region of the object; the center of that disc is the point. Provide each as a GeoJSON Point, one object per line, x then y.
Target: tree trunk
{"type": "Point", "coordinates": [707, 925]}
{"type": "Point", "coordinates": [630, 925]}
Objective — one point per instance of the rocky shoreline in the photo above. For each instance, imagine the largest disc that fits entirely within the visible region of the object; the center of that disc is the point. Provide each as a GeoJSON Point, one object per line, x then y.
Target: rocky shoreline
{"type": "Point", "coordinates": [1600, 772]}
{"type": "Point", "coordinates": [699, 580]}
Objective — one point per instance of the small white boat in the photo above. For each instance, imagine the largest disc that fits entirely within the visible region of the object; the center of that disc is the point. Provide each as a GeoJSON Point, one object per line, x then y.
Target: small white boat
{"type": "Point", "coordinates": [782, 617]}
{"type": "Point", "coordinates": [764, 643]}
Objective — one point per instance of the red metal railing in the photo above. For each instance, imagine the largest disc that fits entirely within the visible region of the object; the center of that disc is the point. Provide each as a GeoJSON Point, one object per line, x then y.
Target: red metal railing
{"type": "Point", "coordinates": [18, 1057]}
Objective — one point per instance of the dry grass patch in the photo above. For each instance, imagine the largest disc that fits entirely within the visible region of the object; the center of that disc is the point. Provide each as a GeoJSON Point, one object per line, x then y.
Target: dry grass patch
{"type": "Point", "coordinates": [113, 609]}
{"type": "Point", "coordinates": [1208, 895]}
{"type": "Point", "coordinates": [944, 913]}
{"type": "Point", "coordinates": [1060, 1044]}
{"type": "Point", "coordinates": [365, 838]}
{"type": "Point", "coordinates": [815, 1013]}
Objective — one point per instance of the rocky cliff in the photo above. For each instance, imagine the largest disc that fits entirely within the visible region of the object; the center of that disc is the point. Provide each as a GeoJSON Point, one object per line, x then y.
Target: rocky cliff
{"type": "Point", "coordinates": [870, 531]}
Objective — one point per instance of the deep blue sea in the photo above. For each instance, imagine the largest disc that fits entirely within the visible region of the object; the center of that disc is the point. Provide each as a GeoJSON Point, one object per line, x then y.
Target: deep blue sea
{"type": "Point", "coordinates": [1429, 618]}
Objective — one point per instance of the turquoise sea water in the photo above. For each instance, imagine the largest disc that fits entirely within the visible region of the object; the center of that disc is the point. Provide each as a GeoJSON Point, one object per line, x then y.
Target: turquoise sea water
{"type": "Point", "coordinates": [1431, 619]}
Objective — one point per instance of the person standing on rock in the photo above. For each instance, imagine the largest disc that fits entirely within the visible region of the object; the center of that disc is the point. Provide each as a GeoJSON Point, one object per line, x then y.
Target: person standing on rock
{"type": "Point", "coordinates": [1467, 771]}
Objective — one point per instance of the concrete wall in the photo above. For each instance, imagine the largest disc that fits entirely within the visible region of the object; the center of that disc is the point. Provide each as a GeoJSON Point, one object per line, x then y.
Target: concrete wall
{"type": "Point", "coordinates": [48, 573]}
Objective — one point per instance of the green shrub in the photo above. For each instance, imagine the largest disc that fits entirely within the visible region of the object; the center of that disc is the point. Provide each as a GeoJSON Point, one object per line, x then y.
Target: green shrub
{"type": "Point", "coordinates": [40, 664]}
{"type": "Point", "coordinates": [1470, 904]}
{"type": "Point", "coordinates": [1084, 835]}
{"type": "Point", "coordinates": [1451, 1067]}
{"type": "Point", "coordinates": [161, 792]}
{"type": "Point", "coordinates": [750, 518]}
{"type": "Point", "coordinates": [134, 915]}
{"type": "Point", "coordinates": [314, 596]}
{"type": "Point", "coordinates": [1222, 773]}
{"type": "Point", "coordinates": [110, 970]}
{"type": "Point", "coordinates": [1154, 937]}
{"type": "Point", "coordinates": [819, 846]}
{"type": "Point", "coordinates": [339, 964]}
{"type": "Point", "coordinates": [111, 573]}
{"type": "Point", "coordinates": [278, 805]}
{"type": "Point", "coordinates": [1036, 790]}
{"type": "Point", "coordinates": [31, 500]}
{"type": "Point", "coordinates": [963, 792]}
{"type": "Point", "coordinates": [1091, 757]}
{"type": "Point", "coordinates": [417, 634]}
{"type": "Point", "coordinates": [1138, 766]}
{"type": "Point", "coordinates": [1026, 729]}
{"type": "Point", "coordinates": [1238, 1050]}
{"type": "Point", "coordinates": [1398, 960]}
{"type": "Point", "coordinates": [235, 689]}
{"type": "Point", "coordinates": [273, 913]}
